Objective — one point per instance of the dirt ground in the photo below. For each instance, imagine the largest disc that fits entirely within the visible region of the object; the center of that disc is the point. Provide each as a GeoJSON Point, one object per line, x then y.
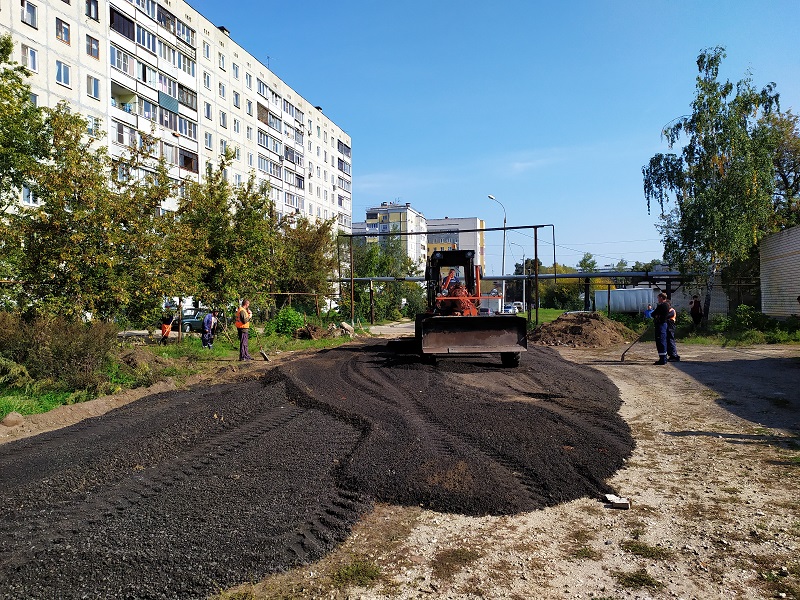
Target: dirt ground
{"type": "Point", "coordinates": [712, 483]}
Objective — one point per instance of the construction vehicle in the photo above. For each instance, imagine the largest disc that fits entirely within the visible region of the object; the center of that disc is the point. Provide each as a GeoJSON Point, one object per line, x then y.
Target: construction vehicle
{"type": "Point", "coordinates": [452, 323]}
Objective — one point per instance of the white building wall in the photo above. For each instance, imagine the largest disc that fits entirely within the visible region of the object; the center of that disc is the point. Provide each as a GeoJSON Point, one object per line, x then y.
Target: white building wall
{"type": "Point", "coordinates": [313, 177]}
{"type": "Point", "coordinates": [780, 273]}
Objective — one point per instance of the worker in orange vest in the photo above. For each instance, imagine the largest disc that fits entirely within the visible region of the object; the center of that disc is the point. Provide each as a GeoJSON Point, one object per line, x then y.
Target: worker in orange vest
{"type": "Point", "coordinates": [243, 317]}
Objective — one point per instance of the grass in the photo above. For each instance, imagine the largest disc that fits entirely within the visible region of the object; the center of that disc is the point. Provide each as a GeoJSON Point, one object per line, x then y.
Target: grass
{"type": "Point", "coordinates": [30, 402]}
{"type": "Point", "coordinates": [359, 572]}
{"type": "Point", "coordinates": [644, 550]}
{"type": "Point", "coordinates": [637, 579]}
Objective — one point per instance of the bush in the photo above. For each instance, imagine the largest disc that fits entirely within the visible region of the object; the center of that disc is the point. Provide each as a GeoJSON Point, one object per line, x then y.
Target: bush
{"type": "Point", "coordinates": [71, 354]}
{"type": "Point", "coordinates": [287, 321]}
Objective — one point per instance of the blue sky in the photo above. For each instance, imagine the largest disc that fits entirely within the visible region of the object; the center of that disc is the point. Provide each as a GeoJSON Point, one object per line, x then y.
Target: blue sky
{"type": "Point", "coordinates": [552, 107]}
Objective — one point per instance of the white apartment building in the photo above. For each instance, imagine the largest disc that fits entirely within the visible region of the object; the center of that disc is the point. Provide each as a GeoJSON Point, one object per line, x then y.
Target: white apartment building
{"type": "Point", "coordinates": [393, 216]}
{"type": "Point", "coordinates": [465, 233]}
{"type": "Point", "coordinates": [136, 66]}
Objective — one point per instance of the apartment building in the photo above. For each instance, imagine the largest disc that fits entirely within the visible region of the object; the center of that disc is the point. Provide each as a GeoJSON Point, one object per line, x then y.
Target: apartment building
{"type": "Point", "coordinates": [133, 67]}
{"type": "Point", "coordinates": [464, 233]}
{"type": "Point", "coordinates": [396, 217]}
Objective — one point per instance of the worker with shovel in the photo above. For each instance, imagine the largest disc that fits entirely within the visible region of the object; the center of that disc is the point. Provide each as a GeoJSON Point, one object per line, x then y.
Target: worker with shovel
{"type": "Point", "coordinates": [660, 318]}
{"type": "Point", "coordinates": [243, 317]}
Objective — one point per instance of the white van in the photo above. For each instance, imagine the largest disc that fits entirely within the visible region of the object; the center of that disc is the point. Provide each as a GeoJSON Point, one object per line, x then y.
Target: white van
{"type": "Point", "coordinates": [520, 306]}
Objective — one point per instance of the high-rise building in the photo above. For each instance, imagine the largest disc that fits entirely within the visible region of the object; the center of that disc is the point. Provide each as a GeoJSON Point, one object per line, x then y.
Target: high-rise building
{"type": "Point", "coordinates": [135, 66]}
{"type": "Point", "coordinates": [400, 218]}
{"type": "Point", "coordinates": [464, 233]}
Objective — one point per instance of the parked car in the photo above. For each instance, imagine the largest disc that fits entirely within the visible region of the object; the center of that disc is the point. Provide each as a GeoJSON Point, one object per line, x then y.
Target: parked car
{"type": "Point", "coordinates": [510, 309]}
{"type": "Point", "coordinates": [520, 306]}
{"type": "Point", "coordinates": [191, 320]}
{"type": "Point", "coordinates": [485, 311]}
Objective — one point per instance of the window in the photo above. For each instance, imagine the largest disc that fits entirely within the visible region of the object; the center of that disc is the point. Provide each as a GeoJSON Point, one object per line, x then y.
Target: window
{"type": "Point", "coordinates": [168, 85]}
{"type": "Point", "coordinates": [185, 32]}
{"type": "Point", "coordinates": [206, 80]}
{"type": "Point", "coordinates": [92, 125]}
{"type": "Point", "coordinates": [62, 31]}
{"type": "Point", "coordinates": [223, 119]}
{"type": "Point", "coordinates": [123, 134]}
{"type": "Point", "coordinates": [249, 107]}
{"type": "Point", "coordinates": [29, 14]}
{"type": "Point", "coordinates": [221, 61]}
{"type": "Point", "coordinates": [221, 90]}
{"type": "Point", "coordinates": [28, 197]}
{"type": "Point", "coordinates": [249, 133]}
{"type": "Point", "coordinates": [248, 81]}
{"type": "Point", "coordinates": [122, 24]}
{"type": "Point", "coordinates": [147, 109]}
{"type": "Point", "coordinates": [209, 141]}
{"type": "Point", "coordinates": [223, 146]}
{"type": "Point", "coordinates": [145, 39]}
{"type": "Point", "coordinates": [122, 61]}
{"type": "Point", "coordinates": [344, 166]}
{"type": "Point", "coordinates": [187, 160]}
{"type": "Point", "coordinates": [62, 73]}
{"type": "Point", "coordinates": [168, 151]}
{"type": "Point", "coordinates": [187, 128]}
{"type": "Point", "coordinates": [235, 69]}
{"type": "Point", "coordinates": [207, 110]}
{"type": "Point", "coordinates": [146, 74]}
{"type": "Point", "coordinates": [343, 148]}
{"type": "Point", "coordinates": [30, 58]}
{"type": "Point", "coordinates": [236, 126]}
{"type": "Point", "coordinates": [91, 10]}
{"type": "Point", "coordinates": [187, 97]}
{"type": "Point", "coordinates": [92, 47]}
{"type": "Point", "coordinates": [93, 87]}
{"type": "Point", "coordinates": [206, 50]}
{"type": "Point", "coordinates": [186, 63]}
{"type": "Point", "coordinates": [236, 99]}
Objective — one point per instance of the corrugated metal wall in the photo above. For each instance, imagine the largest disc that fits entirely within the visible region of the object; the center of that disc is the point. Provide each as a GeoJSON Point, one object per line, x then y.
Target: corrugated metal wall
{"type": "Point", "coordinates": [780, 273]}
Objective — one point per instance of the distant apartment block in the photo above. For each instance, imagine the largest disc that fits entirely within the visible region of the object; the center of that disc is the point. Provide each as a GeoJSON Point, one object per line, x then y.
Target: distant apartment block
{"type": "Point", "coordinates": [458, 234]}
{"type": "Point", "coordinates": [136, 66]}
{"type": "Point", "coordinates": [395, 217]}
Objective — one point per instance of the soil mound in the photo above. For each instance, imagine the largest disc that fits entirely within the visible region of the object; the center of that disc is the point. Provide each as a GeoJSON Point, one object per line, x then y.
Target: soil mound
{"type": "Point", "coordinates": [586, 330]}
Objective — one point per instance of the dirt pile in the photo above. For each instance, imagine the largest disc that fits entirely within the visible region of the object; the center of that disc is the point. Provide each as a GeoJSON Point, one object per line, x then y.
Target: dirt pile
{"type": "Point", "coordinates": [582, 330]}
{"type": "Point", "coordinates": [188, 491]}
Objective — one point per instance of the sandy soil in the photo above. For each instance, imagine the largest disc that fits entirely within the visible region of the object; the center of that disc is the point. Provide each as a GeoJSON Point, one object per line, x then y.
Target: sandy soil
{"type": "Point", "coordinates": [712, 483]}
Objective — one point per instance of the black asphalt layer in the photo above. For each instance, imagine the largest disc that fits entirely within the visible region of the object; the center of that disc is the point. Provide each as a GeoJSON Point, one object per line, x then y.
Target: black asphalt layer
{"type": "Point", "coordinates": [182, 494]}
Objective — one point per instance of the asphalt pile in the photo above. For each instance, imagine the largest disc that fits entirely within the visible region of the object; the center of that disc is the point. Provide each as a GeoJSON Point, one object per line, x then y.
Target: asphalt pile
{"type": "Point", "coordinates": [181, 494]}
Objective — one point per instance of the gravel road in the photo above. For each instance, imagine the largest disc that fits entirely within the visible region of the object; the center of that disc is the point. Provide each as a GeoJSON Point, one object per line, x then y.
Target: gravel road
{"type": "Point", "coordinates": [181, 494]}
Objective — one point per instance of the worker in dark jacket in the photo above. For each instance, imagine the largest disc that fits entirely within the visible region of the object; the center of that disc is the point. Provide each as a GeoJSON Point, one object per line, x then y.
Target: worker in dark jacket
{"type": "Point", "coordinates": [660, 318]}
{"type": "Point", "coordinates": [672, 323]}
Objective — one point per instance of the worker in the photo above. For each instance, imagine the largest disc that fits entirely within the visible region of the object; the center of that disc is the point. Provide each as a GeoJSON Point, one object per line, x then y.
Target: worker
{"type": "Point", "coordinates": [452, 277]}
{"type": "Point", "coordinates": [209, 329]}
{"type": "Point", "coordinates": [672, 347]}
{"type": "Point", "coordinates": [243, 317]}
{"type": "Point", "coordinates": [648, 312]}
{"type": "Point", "coordinates": [166, 326]}
{"type": "Point", "coordinates": [660, 318]}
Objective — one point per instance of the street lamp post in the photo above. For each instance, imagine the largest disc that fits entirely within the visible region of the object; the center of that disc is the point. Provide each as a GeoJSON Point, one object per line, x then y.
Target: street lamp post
{"type": "Point", "coordinates": [503, 266]}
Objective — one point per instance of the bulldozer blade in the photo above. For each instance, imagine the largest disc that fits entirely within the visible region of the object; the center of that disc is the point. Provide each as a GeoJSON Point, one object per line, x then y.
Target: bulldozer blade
{"type": "Point", "coordinates": [473, 335]}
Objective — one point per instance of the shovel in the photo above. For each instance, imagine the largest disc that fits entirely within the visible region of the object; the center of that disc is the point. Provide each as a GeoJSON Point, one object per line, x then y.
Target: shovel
{"type": "Point", "coordinates": [644, 333]}
{"type": "Point", "coordinates": [260, 347]}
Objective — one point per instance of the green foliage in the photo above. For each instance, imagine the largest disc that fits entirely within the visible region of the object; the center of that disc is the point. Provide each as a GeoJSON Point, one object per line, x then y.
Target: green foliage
{"type": "Point", "coordinates": [386, 258]}
{"type": "Point", "coordinates": [13, 375]}
{"type": "Point", "coordinates": [587, 263]}
{"type": "Point", "coordinates": [723, 179]}
{"type": "Point", "coordinates": [785, 128]}
{"type": "Point", "coordinates": [287, 321]}
{"type": "Point", "coordinates": [30, 401]}
{"type": "Point", "coordinates": [359, 573]}
{"type": "Point", "coordinates": [21, 127]}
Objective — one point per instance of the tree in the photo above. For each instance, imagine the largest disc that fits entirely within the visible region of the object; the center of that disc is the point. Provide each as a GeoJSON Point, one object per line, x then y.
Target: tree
{"type": "Point", "coordinates": [587, 263]}
{"type": "Point", "coordinates": [721, 185]}
{"type": "Point", "coordinates": [21, 126]}
{"type": "Point", "coordinates": [90, 245]}
{"type": "Point", "coordinates": [787, 168]}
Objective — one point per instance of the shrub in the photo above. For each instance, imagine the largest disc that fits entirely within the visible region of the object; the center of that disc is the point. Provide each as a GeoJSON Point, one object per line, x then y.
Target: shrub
{"type": "Point", "coordinates": [287, 321]}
